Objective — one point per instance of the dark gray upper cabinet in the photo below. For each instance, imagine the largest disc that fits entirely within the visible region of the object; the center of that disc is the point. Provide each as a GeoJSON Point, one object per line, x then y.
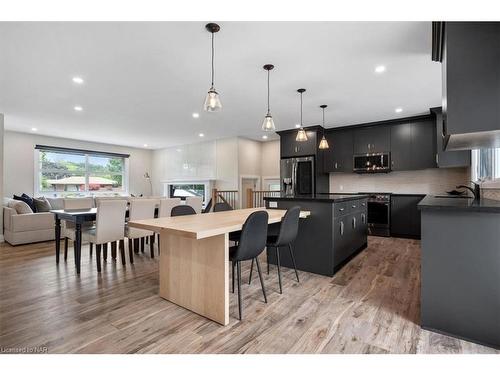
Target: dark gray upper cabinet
{"type": "Point", "coordinates": [471, 85]}
{"type": "Point", "coordinates": [401, 157]}
{"type": "Point", "coordinates": [290, 147]}
{"type": "Point", "coordinates": [338, 157]}
{"type": "Point", "coordinates": [423, 144]}
{"type": "Point", "coordinates": [413, 145]}
{"type": "Point", "coordinates": [447, 159]}
{"type": "Point", "coordinates": [372, 139]}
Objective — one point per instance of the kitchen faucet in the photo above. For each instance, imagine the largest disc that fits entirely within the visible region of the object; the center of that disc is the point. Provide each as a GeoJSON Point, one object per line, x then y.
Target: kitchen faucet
{"type": "Point", "coordinates": [476, 191]}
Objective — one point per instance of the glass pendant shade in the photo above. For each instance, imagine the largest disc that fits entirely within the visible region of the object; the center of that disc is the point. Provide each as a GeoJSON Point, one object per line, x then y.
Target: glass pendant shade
{"type": "Point", "coordinates": [301, 135]}
{"type": "Point", "coordinates": [212, 101]}
{"type": "Point", "coordinates": [323, 144]}
{"type": "Point", "coordinates": [268, 124]}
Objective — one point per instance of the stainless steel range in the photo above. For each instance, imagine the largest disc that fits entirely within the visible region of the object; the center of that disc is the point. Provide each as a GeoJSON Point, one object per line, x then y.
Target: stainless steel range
{"type": "Point", "coordinates": [379, 214]}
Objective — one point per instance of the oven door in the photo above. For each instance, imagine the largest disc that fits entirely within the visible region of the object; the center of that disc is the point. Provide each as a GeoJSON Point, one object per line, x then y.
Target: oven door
{"type": "Point", "coordinates": [378, 214]}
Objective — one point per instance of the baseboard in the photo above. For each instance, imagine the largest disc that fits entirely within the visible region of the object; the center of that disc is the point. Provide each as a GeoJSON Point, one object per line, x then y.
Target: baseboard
{"type": "Point", "coordinates": [1, 238]}
{"type": "Point", "coordinates": [490, 345]}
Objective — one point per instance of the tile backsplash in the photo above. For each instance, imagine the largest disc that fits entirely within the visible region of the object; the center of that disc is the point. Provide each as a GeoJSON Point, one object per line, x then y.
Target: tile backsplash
{"type": "Point", "coordinates": [426, 181]}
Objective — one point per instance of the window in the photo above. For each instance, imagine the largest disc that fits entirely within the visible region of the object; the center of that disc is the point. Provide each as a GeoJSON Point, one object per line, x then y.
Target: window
{"type": "Point", "coordinates": [485, 164]}
{"type": "Point", "coordinates": [187, 190]}
{"type": "Point", "coordinates": [76, 172]}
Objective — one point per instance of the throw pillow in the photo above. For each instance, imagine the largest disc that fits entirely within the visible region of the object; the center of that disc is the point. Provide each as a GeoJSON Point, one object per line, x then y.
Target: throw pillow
{"type": "Point", "coordinates": [26, 199]}
{"type": "Point", "coordinates": [42, 204]}
{"type": "Point", "coordinates": [21, 207]}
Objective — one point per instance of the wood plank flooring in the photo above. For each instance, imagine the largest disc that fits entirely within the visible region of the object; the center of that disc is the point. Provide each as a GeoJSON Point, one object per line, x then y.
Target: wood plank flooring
{"type": "Point", "coordinates": [370, 306]}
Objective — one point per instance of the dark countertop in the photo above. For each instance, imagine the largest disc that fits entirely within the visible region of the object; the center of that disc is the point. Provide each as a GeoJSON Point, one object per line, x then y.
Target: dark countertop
{"type": "Point", "coordinates": [331, 198]}
{"type": "Point", "coordinates": [430, 202]}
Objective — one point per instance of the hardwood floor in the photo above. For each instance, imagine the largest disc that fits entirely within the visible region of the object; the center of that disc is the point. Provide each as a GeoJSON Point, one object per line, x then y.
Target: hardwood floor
{"type": "Point", "coordinates": [370, 306]}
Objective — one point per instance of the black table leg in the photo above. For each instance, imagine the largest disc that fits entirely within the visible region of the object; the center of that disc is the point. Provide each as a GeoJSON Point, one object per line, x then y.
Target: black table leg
{"type": "Point", "coordinates": [78, 245]}
{"type": "Point", "coordinates": [58, 238]}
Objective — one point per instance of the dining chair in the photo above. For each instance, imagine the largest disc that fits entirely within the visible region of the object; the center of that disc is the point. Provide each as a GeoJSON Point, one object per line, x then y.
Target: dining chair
{"type": "Point", "coordinates": [208, 207]}
{"type": "Point", "coordinates": [110, 225]}
{"type": "Point", "coordinates": [68, 227]}
{"type": "Point", "coordinates": [222, 206]}
{"type": "Point", "coordinates": [287, 233]}
{"type": "Point", "coordinates": [166, 206]}
{"type": "Point", "coordinates": [140, 209]}
{"type": "Point", "coordinates": [196, 203]}
{"type": "Point", "coordinates": [182, 210]}
{"type": "Point", "coordinates": [251, 245]}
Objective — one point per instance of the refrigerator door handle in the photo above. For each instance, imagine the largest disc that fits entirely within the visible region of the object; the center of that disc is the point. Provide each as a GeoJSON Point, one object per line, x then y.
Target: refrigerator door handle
{"type": "Point", "coordinates": [294, 177]}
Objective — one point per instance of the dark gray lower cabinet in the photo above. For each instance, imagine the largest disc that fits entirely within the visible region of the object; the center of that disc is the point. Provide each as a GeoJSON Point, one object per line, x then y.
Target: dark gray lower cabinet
{"type": "Point", "coordinates": [405, 216]}
{"type": "Point", "coordinates": [327, 239]}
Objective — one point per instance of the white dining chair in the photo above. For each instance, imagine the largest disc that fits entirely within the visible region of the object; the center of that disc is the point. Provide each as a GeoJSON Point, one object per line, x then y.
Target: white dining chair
{"type": "Point", "coordinates": [140, 209]}
{"type": "Point", "coordinates": [68, 227]}
{"type": "Point", "coordinates": [110, 227]}
{"type": "Point", "coordinates": [196, 203]}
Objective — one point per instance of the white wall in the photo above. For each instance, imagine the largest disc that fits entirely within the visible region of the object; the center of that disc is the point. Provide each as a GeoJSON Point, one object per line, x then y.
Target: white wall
{"type": "Point", "coordinates": [226, 165]}
{"type": "Point", "coordinates": [270, 159]}
{"type": "Point", "coordinates": [1, 174]}
{"type": "Point", "coordinates": [250, 157]}
{"type": "Point", "coordinates": [19, 166]}
{"type": "Point", "coordinates": [427, 181]}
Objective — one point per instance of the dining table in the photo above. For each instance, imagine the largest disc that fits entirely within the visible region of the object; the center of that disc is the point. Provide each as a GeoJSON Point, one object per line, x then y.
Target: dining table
{"type": "Point", "coordinates": [194, 257]}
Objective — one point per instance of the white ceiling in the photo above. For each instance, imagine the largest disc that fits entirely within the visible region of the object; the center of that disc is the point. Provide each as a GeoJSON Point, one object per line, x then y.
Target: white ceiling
{"type": "Point", "coordinates": [144, 80]}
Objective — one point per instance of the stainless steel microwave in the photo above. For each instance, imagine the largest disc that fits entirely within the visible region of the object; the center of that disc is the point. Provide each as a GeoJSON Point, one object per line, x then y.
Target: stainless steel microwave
{"type": "Point", "coordinates": [372, 163]}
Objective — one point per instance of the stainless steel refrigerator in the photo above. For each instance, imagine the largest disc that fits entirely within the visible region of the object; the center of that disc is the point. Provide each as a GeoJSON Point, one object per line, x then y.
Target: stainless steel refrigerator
{"type": "Point", "coordinates": [297, 176]}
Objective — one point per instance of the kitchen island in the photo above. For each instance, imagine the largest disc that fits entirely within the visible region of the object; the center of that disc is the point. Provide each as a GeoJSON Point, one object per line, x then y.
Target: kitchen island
{"type": "Point", "coordinates": [333, 234]}
{"type": "Point", "coordinates": [460, 274]}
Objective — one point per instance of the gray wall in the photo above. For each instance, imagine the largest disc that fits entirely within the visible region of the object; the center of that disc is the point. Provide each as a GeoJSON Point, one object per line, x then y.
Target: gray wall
{"type": "Point", "coordinates": [19, 162]}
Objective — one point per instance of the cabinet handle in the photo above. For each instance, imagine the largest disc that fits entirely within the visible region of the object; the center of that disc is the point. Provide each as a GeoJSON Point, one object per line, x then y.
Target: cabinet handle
{"type": "Point", "coordinates": [341, 209]}
{"type": "Point", "coordinates": [354, 222]}
{"type": "Point", "coordinates": [336, 165]}
{"type": "Point", "coordinates": [353, 206]}
{"type": "Point", "coordinates": [437, 159]}
{"type": "Point", "coordinates": [341, 228]}
{"type": "Point", "coordinates": [363, 218]}
{"type": "Point", "coordinates": [368, 146]}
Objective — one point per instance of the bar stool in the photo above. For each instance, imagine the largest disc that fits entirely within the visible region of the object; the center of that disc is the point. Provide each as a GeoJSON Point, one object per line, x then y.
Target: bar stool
{"type": "Point", "coordinates": [222, 206]}
{"type": "Point", "coordinates": [251, 245]}
{"type": "Point", "coordinates": [288, 230]}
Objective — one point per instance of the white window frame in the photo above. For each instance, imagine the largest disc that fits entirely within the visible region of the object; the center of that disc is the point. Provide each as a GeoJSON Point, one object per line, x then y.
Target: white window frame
{"type": "Point", "coordinates": [36, 180]}
{"type": "Point", "coordinates": [207, 183]}
{"type": "Point", "coordinates": [475, 159]}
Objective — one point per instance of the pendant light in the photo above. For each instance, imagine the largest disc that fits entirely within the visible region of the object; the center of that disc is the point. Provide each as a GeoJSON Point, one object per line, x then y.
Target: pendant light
{"type": "Point", "coordinates": [323, 144]}
{"type": "Point", "coordinates": [268, 124]}
{"type": "Point", "coordinates": [212, 101]}
{"type": "Point", "coordinates": [301, 134]}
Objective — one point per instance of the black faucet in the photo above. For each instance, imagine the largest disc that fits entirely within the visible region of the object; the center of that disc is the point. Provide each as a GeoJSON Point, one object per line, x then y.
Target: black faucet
{"type": "Point", "coordinates": [476, 191]}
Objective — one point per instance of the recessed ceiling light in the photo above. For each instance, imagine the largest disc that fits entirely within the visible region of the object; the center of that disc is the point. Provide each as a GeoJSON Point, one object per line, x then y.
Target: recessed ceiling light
{"type": "Point", "coordinates": [145, 145]}
{"type": "Point", "coordinates": [264, 137]}
{"type": "Point", "coordinates": [380, 69]}
{"type": "Point", "coordinates": [78, 80]}
{"type": "Point", "coordinates": [398, 110]}
{"type": "Point", "coordinates": [34, 129]}
{"type": "Point", "coordinates": [297, 126]}
{"type": "Point", "coordinates": [201, 135]}
{"type": "Point", "coordinates": [196, 115]}
{"type": "Point", "coordinates": [78, 108]}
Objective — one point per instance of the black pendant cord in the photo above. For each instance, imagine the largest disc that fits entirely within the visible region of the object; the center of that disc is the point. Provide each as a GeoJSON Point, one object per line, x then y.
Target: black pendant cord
{"type": "Point", "coordinates": [301, 110]}
{"type": "Point", "coordinates": [323, 117]}
{"type": "Point", "coordinates": [212, 60]}
{"type": "Point", "coordinates": [268, 110]}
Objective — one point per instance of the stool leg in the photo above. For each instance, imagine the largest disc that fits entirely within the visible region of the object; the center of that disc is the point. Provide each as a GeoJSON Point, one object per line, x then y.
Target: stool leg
{"type": "Point", "coordinates": [91, 245]}
{"type": "Point", "coordinates": [98, 257]}
{"type": "Point", "coordinates": [293, 260]}
{"type": "Point", "coordinates": [267, 258]}
{"type": "Point", "coordinates": [238, 266]}
{"type": "Point", "coordinates": [233, 264]}
{"type": "Point", "coordinates": [122, 250]}
{"type": "Point", "coordinates": [131, 251]}
{"type": "Point", "coordinates": [261, 279]}
{"type": "Point", "coordinates": [251, 271]}
{"type": "Point", "coordinates": [113, 250]}
{"type": "Point", "coordinates": [279, 268]}
{"type": "Point", "coordinates": [142, 244]}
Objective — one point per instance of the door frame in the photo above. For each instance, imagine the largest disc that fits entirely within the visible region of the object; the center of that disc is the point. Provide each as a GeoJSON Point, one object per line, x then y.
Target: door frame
{"type": "Point", "coordinates": [240, 186]}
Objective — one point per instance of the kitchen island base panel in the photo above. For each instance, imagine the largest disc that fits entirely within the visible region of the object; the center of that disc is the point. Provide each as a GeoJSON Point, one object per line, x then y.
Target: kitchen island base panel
{"type": "Point", "coordinates": [194, 274]}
